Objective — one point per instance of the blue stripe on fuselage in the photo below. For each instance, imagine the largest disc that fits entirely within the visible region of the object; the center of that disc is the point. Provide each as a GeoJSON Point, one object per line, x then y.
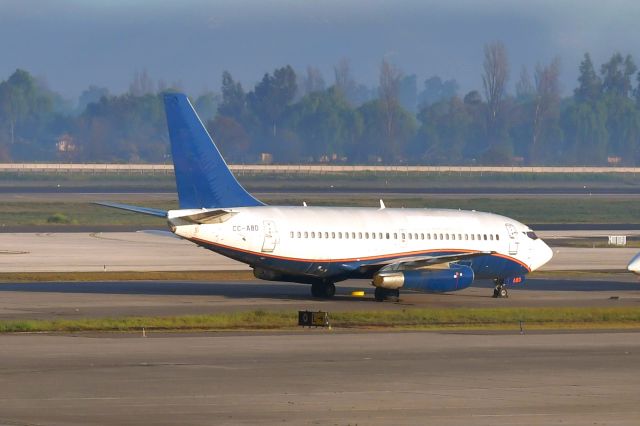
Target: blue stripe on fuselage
{"type": "Point", "coordinates": [489, 266]}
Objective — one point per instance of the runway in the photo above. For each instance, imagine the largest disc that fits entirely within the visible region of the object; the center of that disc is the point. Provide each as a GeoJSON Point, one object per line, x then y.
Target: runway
{"type": "Point", "coordinates": [60, 300]}
{"type": "Point", "coordinates": [320, 377]}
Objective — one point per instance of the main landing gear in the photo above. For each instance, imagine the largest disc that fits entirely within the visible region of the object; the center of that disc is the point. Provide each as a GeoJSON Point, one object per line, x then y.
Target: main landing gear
{"type": "Point", "coordinates": [500, 291]}
{"type": "Point", "coordinates": [382, 294]}
{"type": "Point", "coordinates": [323, 290]}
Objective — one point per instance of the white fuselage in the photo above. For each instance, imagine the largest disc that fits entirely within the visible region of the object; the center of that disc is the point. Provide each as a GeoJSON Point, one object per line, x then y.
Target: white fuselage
{"type": "Point", "coordinates": [352, 235]}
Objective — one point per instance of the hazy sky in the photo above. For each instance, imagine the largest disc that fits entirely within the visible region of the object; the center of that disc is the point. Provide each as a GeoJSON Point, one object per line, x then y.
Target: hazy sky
{"type": "Point", "coordinates": [74, 43]}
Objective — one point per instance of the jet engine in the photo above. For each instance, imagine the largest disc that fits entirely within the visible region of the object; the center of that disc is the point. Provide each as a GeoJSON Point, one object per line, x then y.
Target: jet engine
{"type": "Point", "coordinates": [454, 277]}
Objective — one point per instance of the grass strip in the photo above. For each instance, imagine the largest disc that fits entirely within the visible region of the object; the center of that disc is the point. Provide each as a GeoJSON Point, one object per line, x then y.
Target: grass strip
{"type": "Point", "coordinates": [15, 277]}
{"type": "Point", "coordinates": [406, 319]}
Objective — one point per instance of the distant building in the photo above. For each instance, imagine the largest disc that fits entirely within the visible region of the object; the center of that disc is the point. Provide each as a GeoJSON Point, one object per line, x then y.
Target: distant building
{"type": "Point", "coordinates": [266, 158]}
{"type": "Point", "coordinates": [614, 161]}
{"type": "Point", "coordinates": [65, 144]}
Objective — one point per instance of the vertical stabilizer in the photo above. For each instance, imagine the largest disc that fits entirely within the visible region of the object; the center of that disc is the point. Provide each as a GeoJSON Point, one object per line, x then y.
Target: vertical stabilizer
{"type": "Point", "coordinates": [202, 176]}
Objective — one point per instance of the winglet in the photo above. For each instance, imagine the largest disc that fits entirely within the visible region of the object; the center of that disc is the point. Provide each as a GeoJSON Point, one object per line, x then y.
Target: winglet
{"type": "Point", "coordinates": [203, 178]}
{"type": "Point", "coordinates": [382, 206]}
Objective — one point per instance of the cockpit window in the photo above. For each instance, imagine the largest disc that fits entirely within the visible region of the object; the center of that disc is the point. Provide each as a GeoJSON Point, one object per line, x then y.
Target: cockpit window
{"type": "Point", "coordinates": [532, 235]}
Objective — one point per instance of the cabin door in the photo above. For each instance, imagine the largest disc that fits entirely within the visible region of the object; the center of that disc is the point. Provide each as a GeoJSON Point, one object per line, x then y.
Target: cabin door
{"type": "Point", "coordinates": [270, 236]}
{"type": "Point", "coordinates": [513, 238]}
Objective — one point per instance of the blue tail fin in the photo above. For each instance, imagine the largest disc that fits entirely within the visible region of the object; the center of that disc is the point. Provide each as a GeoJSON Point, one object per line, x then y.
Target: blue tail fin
{"type": "Point", "coordinates": [202, 176]}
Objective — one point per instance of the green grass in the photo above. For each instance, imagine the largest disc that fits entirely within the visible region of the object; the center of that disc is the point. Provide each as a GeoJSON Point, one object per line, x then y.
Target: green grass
{"type": "Point", "coordinates": [413, 319]}
{"type": "Point", "coordinates": [527, 210]}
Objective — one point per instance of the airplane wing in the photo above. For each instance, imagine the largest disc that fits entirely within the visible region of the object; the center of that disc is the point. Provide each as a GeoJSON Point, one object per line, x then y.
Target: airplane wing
{"type": "Point", "coordinates": [417, 262]}
{"type": "Point", "coordinates": [137, 209]}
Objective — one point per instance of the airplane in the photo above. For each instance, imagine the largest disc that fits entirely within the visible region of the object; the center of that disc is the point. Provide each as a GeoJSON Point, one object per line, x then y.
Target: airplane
{"type": "Point", "coordinates": [428, 250]}
{"type": "Point", "coordinates": [634, 264]}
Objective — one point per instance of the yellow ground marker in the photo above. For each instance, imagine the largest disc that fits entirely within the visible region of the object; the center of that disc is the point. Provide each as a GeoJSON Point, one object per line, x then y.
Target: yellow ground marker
{"type": "Point", "coordinates": [358, 293]}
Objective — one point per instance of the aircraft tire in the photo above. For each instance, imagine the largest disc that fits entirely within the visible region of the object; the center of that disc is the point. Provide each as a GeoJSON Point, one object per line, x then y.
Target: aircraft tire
{"type": "Point", "coordinates": [383, 294]}
{"type": "Point", "coordinates": [329, 290]}
{"type": "Point", "coordinates": [323, 290]}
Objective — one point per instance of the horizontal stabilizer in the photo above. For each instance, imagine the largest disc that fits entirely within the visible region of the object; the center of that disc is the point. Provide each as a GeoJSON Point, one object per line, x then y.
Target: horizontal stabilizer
{"type": "Point", "coordinates": [137, 209]}
{"type": "Point", "coordinates": [206, 217]}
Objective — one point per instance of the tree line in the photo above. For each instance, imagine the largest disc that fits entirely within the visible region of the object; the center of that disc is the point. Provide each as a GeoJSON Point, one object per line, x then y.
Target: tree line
{"type": "Point", "coordinates": [290, 117]}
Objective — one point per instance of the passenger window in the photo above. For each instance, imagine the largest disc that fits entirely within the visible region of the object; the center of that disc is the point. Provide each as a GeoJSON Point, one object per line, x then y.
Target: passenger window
{"type": "Point", "coordinates": [326, 235]}
{"type": "Point", "coordinates": [359, 235]}
{"type": "Point", "coordinates": [346, 235]}
{"type": "Point", "coordinates": [387, 235]}
{"type": "Point", "coordinates": [410, 236]}
{"type": "Point", "coordinates": [447, 236]}
{"type": "Point", "coordinates": [380, 235]}
{"type": "Point", "coordinates": [459, 236]}
{"type": "Point", "coordinates": [333, 235]}
{"type": "Point", "coordinates": [373, 235]}
{"type": "Point", "coordinates": [313, 235]}
{"type": "Point", "coordinates": [291, 234]}
{"type": "Point", "coordinates": [319, 234]}
{"type": "Point", "coordinates": [306, 235]}
{"type": "Point", "coordinates": [466, 236]}
{"type": "Point", "coordinates": [404, 237]}
{"type": "Point", "coordinates": [395, 235]}
{"type": "Point", "coordinates": [479, 237]}
{"type": "Point", "coordinates": [491, 237]}
{"type": "Point", "coordinates": [453, 236]}
{"type": "Point", "coordinates": [339, 235]}
{"type": "Point", "coordinates": [497, 237]}
{"type": "Point", "coordinates": [473, 237]}
{"type": "Point", "coordinates": [298, 235]}
{"type": "Point", "coordinates": [428, 236]}
{"type": "Point", "coordinates": [485, 237]}
{"type": "Point", "coordinates": [366, 235]}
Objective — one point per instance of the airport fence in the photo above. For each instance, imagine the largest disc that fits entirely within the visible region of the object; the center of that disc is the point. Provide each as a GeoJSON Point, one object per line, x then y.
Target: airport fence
{"type": "Point", "coordinates": [307, 169]}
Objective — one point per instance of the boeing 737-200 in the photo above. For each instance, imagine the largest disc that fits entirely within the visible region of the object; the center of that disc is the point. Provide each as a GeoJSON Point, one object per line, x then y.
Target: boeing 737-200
{"type": "Point", "coordinates": [430, 250]}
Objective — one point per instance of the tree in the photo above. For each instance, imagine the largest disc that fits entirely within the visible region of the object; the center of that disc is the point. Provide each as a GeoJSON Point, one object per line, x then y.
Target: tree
{"type": "Point", "coordinates": [408, 93]}
{"type": "Point", "coordinates": [494, 80]}
{"type": "Point", "coordinates": [233, 98]}
{"type": "Point", "coordinates": [231, 138]}
{"type": "Point", "coordinates": [207, 105]}
{"type": "Point", "coordinates": [589, 84]}
{"type": "Point", "coordinates": [389, 89]}
{"type": "Point", "coordinates": [312, 81]}
{"type": "Point", "coordinates": [545, 111]}
{"type": "Point", "coordinates": [325, 123]}
{"type": "Point", "coordinates": [617, 74]}
{"type": "Point", "coordinates": [142, 84]}
{"type": "Point", "coordinates": [524, 86]}
{"type": "Point", "coordinates": [436, 90]}
{"type": "Point", "coordinates": [91, 95]}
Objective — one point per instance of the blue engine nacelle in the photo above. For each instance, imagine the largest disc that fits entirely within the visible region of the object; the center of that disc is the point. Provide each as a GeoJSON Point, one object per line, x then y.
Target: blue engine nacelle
{"type": "Point", "coordinates": [455, 277]}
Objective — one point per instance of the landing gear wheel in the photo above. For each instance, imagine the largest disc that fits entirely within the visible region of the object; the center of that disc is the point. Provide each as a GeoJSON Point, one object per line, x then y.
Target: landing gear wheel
{"type": "Point", "coordinates": [323, 290]}
{"type": "Point", "coordinates": [500, 291]}
{"type": "Point", "coordinates": [383, 294]}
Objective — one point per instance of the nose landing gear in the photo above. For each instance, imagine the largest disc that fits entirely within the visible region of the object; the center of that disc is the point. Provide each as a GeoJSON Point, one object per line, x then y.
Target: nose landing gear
{"type": "Point", "coordinates": [500, 290]}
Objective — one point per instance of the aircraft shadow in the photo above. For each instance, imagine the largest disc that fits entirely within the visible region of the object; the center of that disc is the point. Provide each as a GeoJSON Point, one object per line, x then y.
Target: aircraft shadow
{"type": "Point", "coordinates": [240, 290]}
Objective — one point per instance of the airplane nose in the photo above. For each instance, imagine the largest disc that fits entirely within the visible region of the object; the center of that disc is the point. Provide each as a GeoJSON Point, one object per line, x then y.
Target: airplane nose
{"type": "Point", "coordinates": [543, 254]}
{"type": "Point", "coordinates": [634, 265]}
